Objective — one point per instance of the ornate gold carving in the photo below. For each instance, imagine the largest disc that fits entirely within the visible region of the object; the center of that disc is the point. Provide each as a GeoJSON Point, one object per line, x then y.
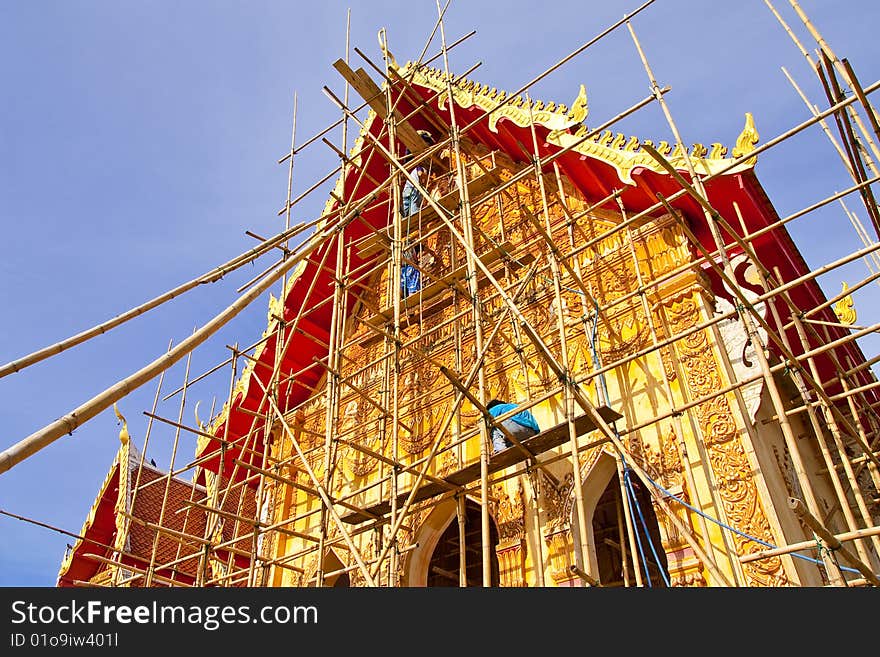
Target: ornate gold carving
{"type": "Point", "coordinates": [665, 462]}
{"type": "Point", "coordinates": [747, 141]}
{"type": "Point", "coordinates": [718, 152]}
{"type": "Point", "coordinates": [726, 454]}
{"type": "Point", "coordinates": [124, 438]}
{"type": "Point", "coordinates": [361, 423]}
{"type": "Point", "coordinates": [845, 308]}
{"type": "Point", "coordinates": [557, 501]}
{"type": "Point", "coordinates": [511, 564]}
{"type": "Point", "coordinates": [466, 93]}
{"type": "Point", "coordinates": [560, 550]}
{"type": "Point", "coordinates": [511, 549]}
{"type": "Point", "coordinates": [699, 151]}
{"type": "Point", "coordinates": [510, 516]}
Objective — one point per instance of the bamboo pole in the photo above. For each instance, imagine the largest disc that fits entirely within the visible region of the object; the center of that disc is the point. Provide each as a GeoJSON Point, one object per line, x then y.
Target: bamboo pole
{"type": "Point", "coordinates": [552, 255]}
{"type": "Point", "coordinates": [68, 423]}
{"type": "Point", "coordinates": [861, 547]}
{"type": "Point", "coordinates": [842, 70]}
{"type": "Point", "coordinates": [872, 532]}
{"type": "Point", "coordinates": [461, 515]}
{"type": "Point", "coordinates": [211, 276]}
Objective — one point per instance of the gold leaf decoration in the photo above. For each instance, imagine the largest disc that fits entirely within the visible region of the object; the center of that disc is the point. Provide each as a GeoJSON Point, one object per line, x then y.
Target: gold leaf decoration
{"type": "Point", "coordinates": [845, 308]}
{"type": "Point", "coordinates": [747, 140]}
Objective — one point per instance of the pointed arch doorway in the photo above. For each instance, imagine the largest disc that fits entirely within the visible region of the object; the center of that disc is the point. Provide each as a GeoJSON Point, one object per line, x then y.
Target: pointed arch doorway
{"type": "Point", "coordinates": [615, 562]}
{"type": "Point", "coordinates": [611, 545]}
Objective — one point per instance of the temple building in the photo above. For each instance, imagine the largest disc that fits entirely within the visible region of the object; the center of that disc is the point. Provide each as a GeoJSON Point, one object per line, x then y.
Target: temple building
{"type": "Point", "coordinates": [691, 381]}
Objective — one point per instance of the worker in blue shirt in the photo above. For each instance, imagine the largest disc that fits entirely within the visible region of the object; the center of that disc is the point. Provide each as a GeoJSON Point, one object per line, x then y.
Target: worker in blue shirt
{"type": "Point", "coordinates": [521, 426]}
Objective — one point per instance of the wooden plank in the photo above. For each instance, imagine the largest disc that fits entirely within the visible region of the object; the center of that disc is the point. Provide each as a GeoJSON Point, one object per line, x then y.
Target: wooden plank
{"type": "Point", "coordinates": [375, 98]}
{"type": "Point", "coordinates": [537, 444]}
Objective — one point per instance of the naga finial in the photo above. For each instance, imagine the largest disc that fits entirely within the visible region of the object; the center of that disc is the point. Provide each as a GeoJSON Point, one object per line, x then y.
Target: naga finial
{"type": "Point", "coordinates": [579, 108]}
{"type": "Point", "coordinates": [747, 140]}
{"type": "Point", "coordinates": [845, 308]}
{"type": "Point", "coordinates": [123, 433]}
{"type": "Point", "coordinates": [383, 44]}
{"type": "Point", "coordinates": [199, 422]}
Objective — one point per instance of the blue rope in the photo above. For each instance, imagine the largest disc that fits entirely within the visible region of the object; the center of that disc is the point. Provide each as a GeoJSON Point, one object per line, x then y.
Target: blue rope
{"type": "Point", "coordinates": [736, 531]}
{"type": "Point", "coordinates": [629, 503]}
{"type": "Point", "coordinates": [596, 363]}
{"type": "Point", "coordinates": [627, 478]}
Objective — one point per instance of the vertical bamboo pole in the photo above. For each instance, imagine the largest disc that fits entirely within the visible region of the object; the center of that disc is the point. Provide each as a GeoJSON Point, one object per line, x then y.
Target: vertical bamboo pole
{"type": "Point", "coordinates": [460, 512]}
{"type": "Point", "coordinates": [126, 527]}
{"type": "Point", "coordinates": [467, 230]}
{"type": "Point", "coordinates": [583, 532]}
{"type": "Point", "coordinates": [534, 477]}
{"type": "Point", "coordinates": [290, 187]}
{"type": "Point", "coordinates": [331, 404]}
{"type": "Point", "coordinates": [212, 519]}
{"type": "Point", "coordinates": [630, 525]}
{"type": "Point", "coordinates": [621, 537]}
{"type": "Point", "coordinates": [395, 279]}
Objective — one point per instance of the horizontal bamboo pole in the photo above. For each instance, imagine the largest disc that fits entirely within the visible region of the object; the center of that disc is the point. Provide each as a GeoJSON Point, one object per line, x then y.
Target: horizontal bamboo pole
{"type": "Point", "coordinates": [139, 572]}
{"type": "Point", "coordinates": [803, 545]}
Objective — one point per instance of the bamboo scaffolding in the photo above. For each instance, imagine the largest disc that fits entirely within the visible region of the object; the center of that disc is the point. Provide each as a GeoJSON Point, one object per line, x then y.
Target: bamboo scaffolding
{"type": "Point", "coordinates": [561, 267]}
{"type": "Point", "coordinates": [150, 569]}
{"type": "Point", "coordinates": [844, 71]}
{"type": "Point", "coordinates": [544, 352]}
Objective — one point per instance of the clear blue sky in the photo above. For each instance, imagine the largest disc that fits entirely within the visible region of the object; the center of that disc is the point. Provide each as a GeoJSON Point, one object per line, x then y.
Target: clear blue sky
{"type": "Point", "coordinates": [140, 141]}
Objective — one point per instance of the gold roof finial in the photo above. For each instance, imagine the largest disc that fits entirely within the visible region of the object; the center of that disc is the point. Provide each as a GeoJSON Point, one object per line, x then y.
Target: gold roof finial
{"type": "Point", "coordinates": [383, 44]}
{"type": "Point", "coordinates": [579, 108]}
{"type": "Point", "coordinates": [123, 433]}
{"type": "Point", "coordinates": [845, 308]}
{"type": "Point", "coordinates": [747, 140]}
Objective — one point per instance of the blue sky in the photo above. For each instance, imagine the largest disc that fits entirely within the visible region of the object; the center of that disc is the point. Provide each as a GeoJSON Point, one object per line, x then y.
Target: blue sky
{"type": "Point", "coordinates": [140, 141]}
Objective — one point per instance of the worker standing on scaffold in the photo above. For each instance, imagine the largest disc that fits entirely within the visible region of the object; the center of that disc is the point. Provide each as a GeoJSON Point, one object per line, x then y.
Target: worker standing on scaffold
{"type": "Point", "coordinates": [411, 203]}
